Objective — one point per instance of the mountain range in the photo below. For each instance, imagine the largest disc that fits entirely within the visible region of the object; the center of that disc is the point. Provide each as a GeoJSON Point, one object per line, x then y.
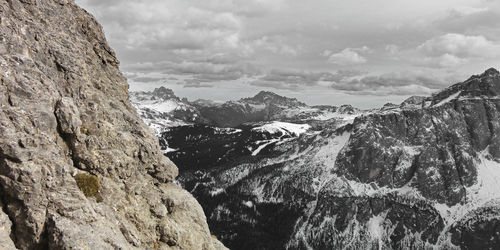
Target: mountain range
{"type": "Point", "coordinates": [273, 173]}
{"type": "Point", "coordinates": [161, 109]}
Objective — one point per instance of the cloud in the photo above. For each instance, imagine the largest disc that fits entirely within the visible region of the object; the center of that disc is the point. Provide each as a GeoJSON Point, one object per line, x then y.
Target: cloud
{"type": "Point", "coordinates": [274, 44]}
{"type": "Point", "coordinates": [298, 79]}
{"type": "Point", "coordinates": [276, 85]}
{"type": "Point", "coordinates": [444, 61]}
{"type": "Point", "coordinates": [292, 77]}
{"type": "Point", "coordinates": [192, 83]}
{"type": "Point", "coordinates": [460, 45]}
{"type": "Point", "coordinates": [454, 50]}
{"type": "Point", "coordinates": [204, 71]}
{"type": "Point", "coordinates": [392, 49]}
{"type": "Point", "coordinates": [146, 79]}
{"type": "Point", "coordinates": [395, 83]}
{"type": "Point", "coordinates": [348, 56]}
{"type": "Point", "coordinates": [473, 20]}
{"type": "Point", "coordinates": [221, 43]}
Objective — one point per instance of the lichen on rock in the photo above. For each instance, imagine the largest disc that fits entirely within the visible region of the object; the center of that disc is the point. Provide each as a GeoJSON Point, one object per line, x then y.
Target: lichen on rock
{"type": "Point", "coordinates": [88, 184]}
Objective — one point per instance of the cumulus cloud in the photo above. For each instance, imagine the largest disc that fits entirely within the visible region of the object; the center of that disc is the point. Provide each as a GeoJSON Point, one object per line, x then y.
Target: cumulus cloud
{"type": "Point", "coordinates": [460, 45]}
{"type": "Point", "coordinates": [444, 61]}
{"type": "Point", "coordinates": [347, 56]}
{"type": "Point", "coordinates": [452, 50]}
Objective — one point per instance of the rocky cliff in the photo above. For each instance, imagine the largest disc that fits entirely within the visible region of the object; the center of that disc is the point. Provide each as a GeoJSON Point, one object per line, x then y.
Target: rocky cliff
{"type": "Point", "coordinates": [78, 167]}
{"type": "Point", "coordinates": [433, 148]}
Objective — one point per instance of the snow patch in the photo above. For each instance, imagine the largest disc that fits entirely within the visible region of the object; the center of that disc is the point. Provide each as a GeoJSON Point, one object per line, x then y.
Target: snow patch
{"type": "Point", "coordinates": [484, 192]}
{"type": "Point", "coordinates": [375, 226]}
{"type": "Point", "coordinates": [448, 99]}
{"type": "Point", "coordinates": [227, 131]}
{"type": "Point", "coordinates": [168, 150]}
{"type": "Point", "coordinates": [262, 146]}
{"type": "Point", "coordinates": [216, 191]}
{"type": "Point", "coordinates": [248, 203]}
{"type": "Point", "coordinates": [284, 128]}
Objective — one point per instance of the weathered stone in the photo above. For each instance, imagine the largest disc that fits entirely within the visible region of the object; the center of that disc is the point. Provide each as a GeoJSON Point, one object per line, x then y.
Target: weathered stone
{"type": "Point", "coordinates": [64, 108]}
{"type": "Point", "coordinates": [68, 116]}
{"type": "Point", "coordinates": [5, 230]}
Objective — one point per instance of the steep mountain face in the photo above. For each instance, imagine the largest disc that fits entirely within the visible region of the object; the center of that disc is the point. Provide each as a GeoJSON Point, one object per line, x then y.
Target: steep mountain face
{"type": "Point", "coordinates": [270, 98]}
{"type": "Point", "coordinates": [265, 106]}
{"type": "Point", "coordinates": [161, 109]}
{"type": "Point", "coordinates": [78, 168]}
{"type": "Point", "coordinates": [422, 174]}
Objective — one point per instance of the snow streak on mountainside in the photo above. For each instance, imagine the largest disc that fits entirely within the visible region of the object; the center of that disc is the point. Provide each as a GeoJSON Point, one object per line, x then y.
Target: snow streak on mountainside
{"type": "Point", "coordinates": [421, 174]}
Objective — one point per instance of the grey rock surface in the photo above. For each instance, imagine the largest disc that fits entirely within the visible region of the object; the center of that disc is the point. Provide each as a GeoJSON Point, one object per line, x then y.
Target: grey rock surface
{"type": "Point", "coordinates": [432, 149]}
{"type": "Point", "coordinates": [64, 109]}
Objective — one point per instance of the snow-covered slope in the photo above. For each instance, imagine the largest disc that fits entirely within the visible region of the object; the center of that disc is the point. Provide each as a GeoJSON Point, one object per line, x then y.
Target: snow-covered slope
{"type": "Point", "coordinates": [419, 175]}
{"type": "Point", "coordinates": [161, 109]}
{"type": "Point", "coordinates": [283, 128]}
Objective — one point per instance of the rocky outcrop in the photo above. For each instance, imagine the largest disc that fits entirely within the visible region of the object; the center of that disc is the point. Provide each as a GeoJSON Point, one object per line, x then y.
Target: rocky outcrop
{"type": "Point", "coordinates": [270, 98]}
{"type": "Point", "coordinates": [433, 148]}
{"type": "Point", "coordinates": [161, 109]}
{"type": "Point", "coordinates": [413, 102]}
{"type": "Point", "coordinates": [65, 111]}
{"type": "Point", "coordinates": [264, 106]}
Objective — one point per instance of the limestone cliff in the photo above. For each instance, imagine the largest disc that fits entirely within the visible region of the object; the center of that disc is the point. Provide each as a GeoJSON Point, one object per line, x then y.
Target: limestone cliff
{"type": "Point", "coordinates": [65, 113]}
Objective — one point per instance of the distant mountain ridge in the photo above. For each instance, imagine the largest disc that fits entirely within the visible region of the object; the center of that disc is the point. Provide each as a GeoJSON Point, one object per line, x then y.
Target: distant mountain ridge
{"type": "Point", "coordinates": [268, 97]}
{"type": "Point", "coordinates": [423, 174]}
{"type": "Point", "coordinates": [161, 108]}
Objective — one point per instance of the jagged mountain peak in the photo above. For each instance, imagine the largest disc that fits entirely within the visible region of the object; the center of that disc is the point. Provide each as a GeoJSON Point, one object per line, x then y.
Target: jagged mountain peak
{"type": "Point", "coordinates": [486, 84]}
{"type": "Point", "coordinates": [347, 109]}
{"type": "Point", "coordinates": [267, 97]}
{"type": "Point", "coordinates": [491, 72]}
{"type": "Point", "coordinates": [263, 94]}
{"type": "Point", "coordinates": [164, 93]}
{"type": "Point", "coordinates": [413, 102]}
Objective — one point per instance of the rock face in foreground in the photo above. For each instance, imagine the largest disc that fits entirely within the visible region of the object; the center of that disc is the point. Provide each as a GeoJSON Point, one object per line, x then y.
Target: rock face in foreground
{"type": "Point", "coordinates": [65, 112]}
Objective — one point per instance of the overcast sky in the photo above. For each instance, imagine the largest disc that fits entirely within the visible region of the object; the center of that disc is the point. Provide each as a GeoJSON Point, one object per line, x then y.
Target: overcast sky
{"type": "Point", "coordinates": [361, 52]}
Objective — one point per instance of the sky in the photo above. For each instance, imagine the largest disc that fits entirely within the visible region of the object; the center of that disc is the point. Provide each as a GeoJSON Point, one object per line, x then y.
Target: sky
{"type": "Point", "coordinates": [360, 52]}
